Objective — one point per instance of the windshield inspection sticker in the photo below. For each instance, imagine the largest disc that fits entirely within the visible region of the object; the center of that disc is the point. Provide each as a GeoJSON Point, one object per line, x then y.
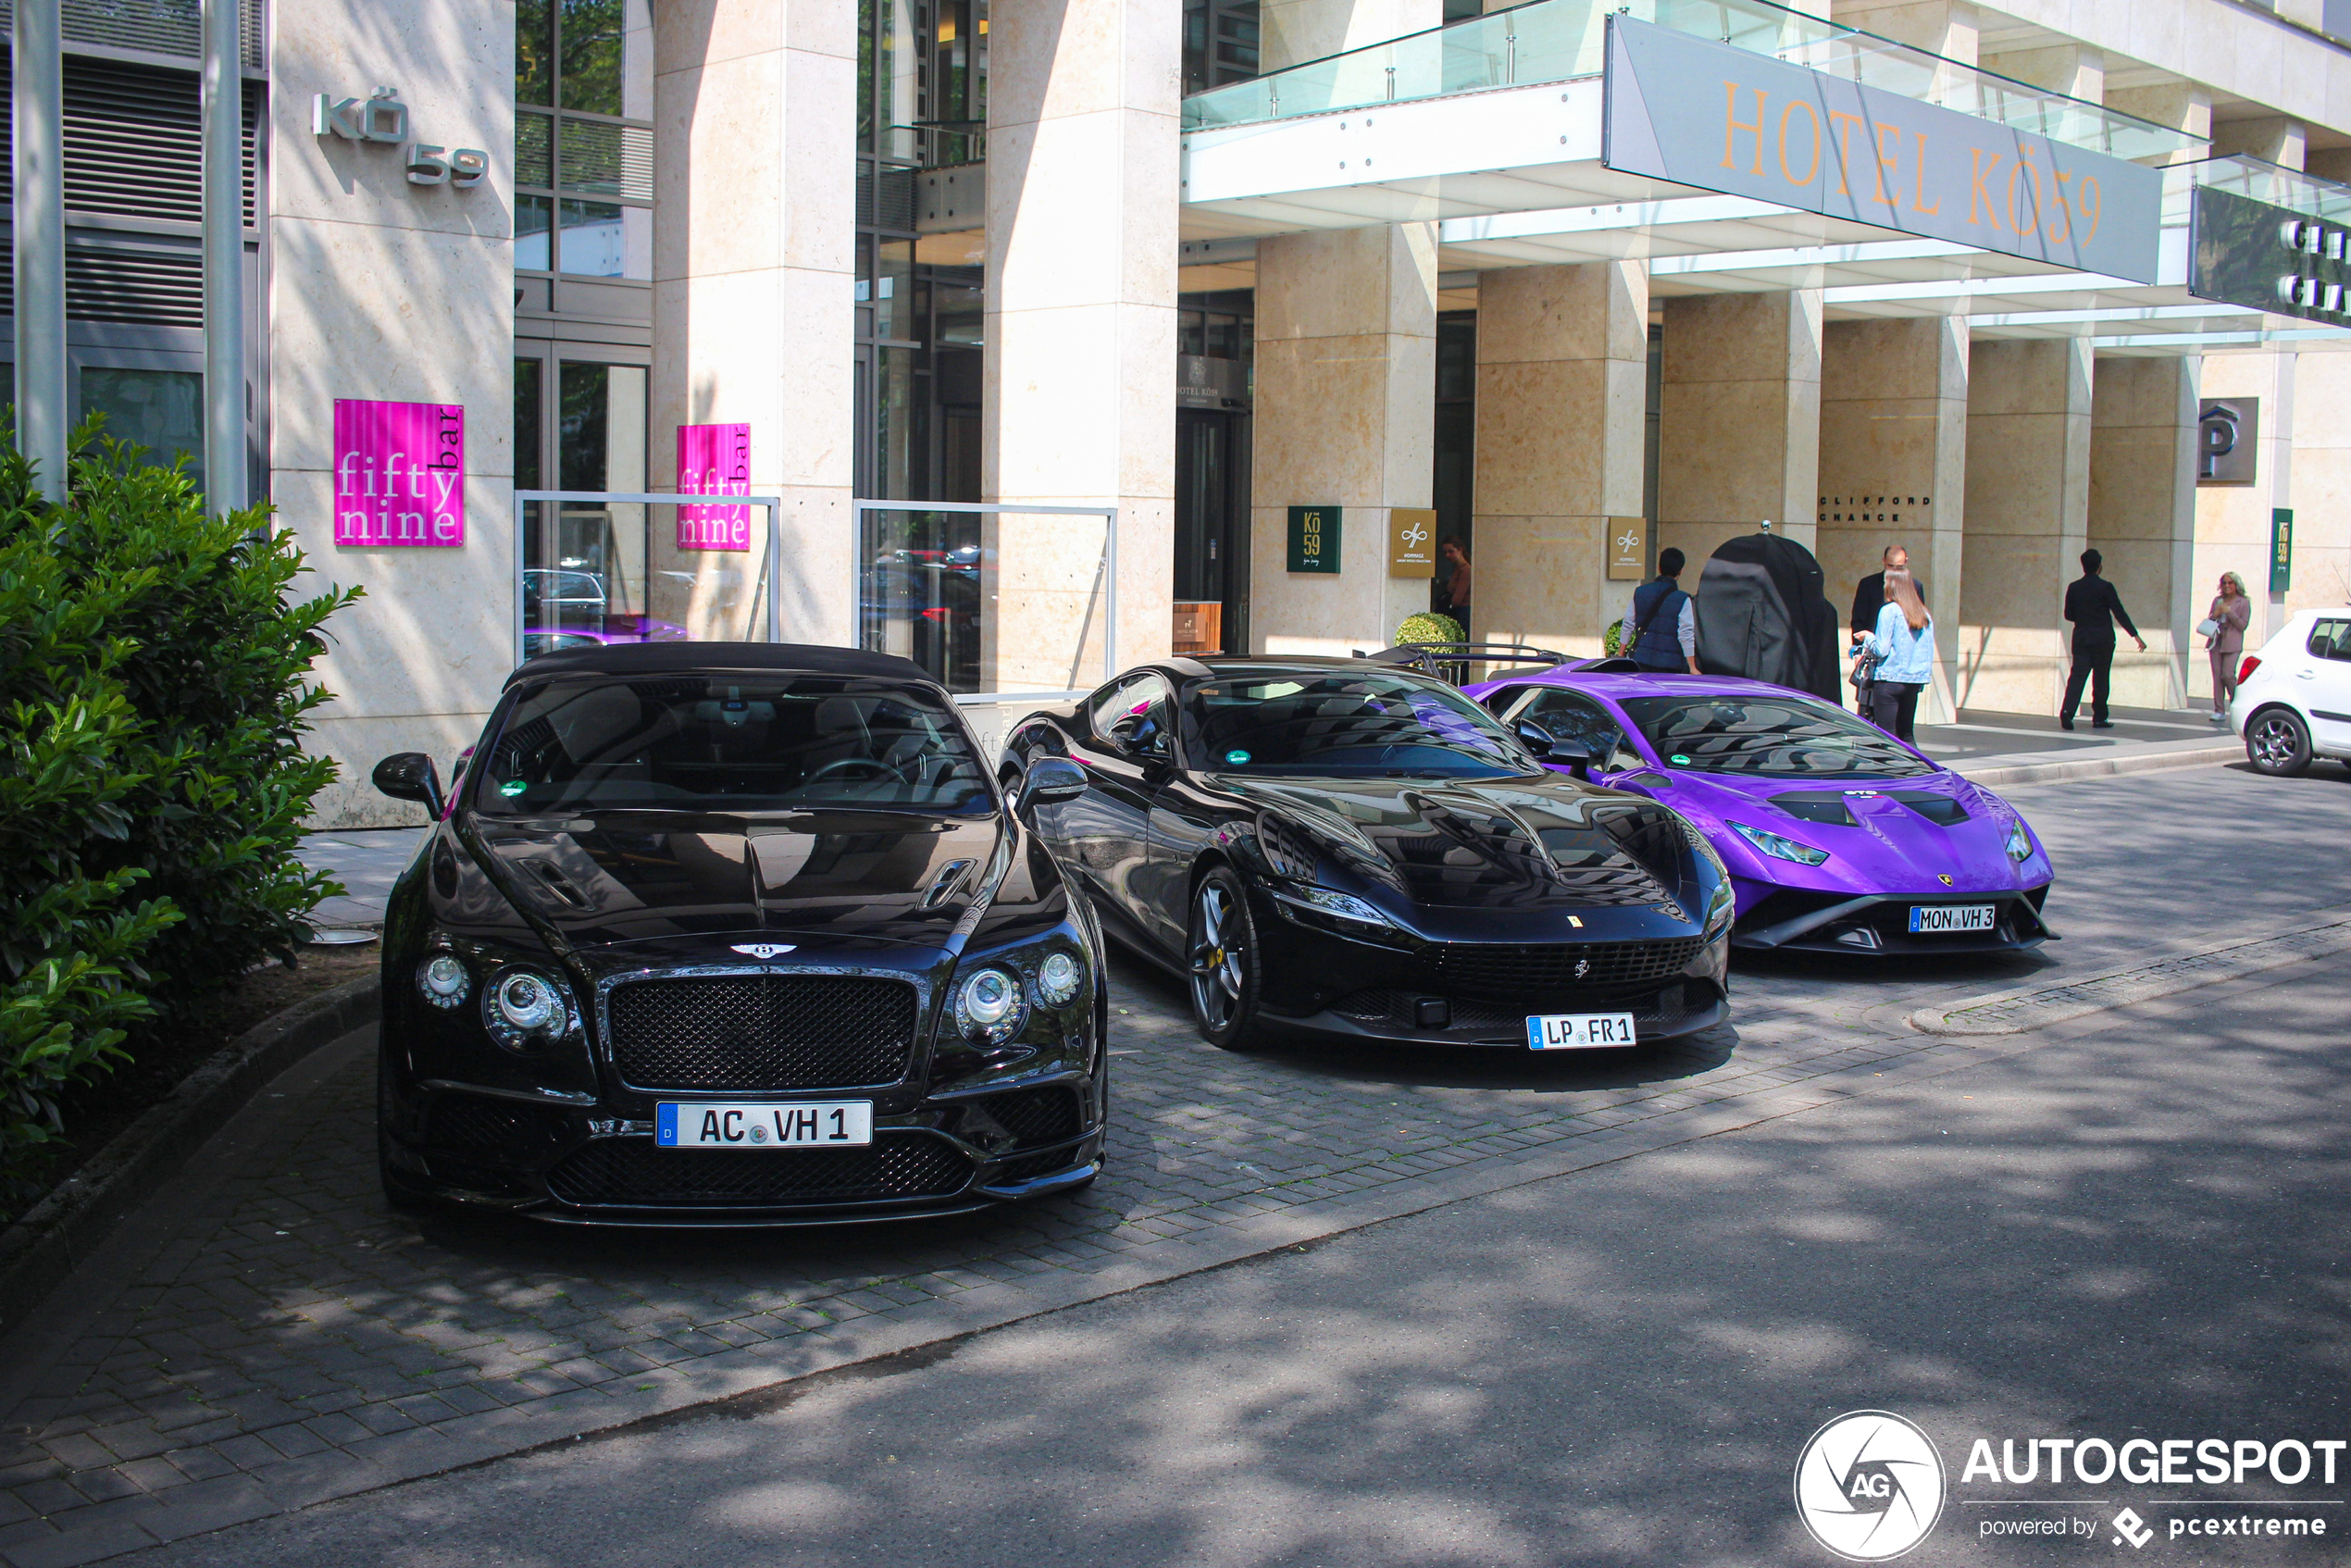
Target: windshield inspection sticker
{"type": "Point", "coordinates": [513, 787]}
{"type": "Point", "coordinates": [1679, 759]}
{"type": "Point", "coordinates": [1237, 758]}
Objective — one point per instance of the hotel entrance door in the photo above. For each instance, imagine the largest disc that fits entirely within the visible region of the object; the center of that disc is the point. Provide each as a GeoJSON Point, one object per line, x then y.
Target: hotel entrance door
{"type": "Point", "coordinates": [1212, 532]}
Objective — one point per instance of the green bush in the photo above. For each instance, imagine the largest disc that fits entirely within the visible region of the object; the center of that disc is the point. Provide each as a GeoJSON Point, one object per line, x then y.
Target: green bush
{"type": "Point", "coordinates": [1612, 640]}
{"type": "Point", "coordinates": [153, 665]}
{"type": "Point", "coordinates": [1429, 627]}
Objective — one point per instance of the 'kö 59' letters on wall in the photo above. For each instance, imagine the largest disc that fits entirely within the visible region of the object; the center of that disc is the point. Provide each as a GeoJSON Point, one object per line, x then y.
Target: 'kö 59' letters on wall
{"type": "Point", "coordinates": [400, 474]}
{"type": "Point", "coordinates": [1721, 118]}
{"type": "Point", "coordinates": [714, 460]}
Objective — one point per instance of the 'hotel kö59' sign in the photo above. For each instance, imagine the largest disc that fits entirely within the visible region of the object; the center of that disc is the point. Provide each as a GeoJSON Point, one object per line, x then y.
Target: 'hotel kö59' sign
{"type": "Point", "coordinates": [1705, 114]}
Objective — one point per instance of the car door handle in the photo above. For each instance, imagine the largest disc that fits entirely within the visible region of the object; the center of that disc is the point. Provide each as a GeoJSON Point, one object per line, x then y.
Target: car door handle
{"type": "Point", "coordinates": [2306, 675]}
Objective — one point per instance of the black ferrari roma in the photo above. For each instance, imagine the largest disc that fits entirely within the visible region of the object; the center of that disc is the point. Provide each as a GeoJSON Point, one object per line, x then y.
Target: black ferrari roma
{"type": "Point", "coordinates": [1350, 849]}
{"type": "Point", "coordinates": [734, 934]}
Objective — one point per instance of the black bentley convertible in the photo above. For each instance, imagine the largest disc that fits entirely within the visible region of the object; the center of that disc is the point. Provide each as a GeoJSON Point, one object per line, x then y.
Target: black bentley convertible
{"type": "Point", "coordinates": [1350, 849]}
{"type": "Point", "coordinates": [734, 933]}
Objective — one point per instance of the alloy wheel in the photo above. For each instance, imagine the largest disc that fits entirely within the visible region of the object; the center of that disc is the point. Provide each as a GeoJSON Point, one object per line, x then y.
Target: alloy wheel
{"type": "Point", "coordinates": [1220, 958]}
{"type": "Point", "coordinates": [2277, 744]}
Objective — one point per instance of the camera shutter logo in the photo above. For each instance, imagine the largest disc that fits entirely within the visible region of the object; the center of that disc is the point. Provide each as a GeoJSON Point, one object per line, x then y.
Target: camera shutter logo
{"type": "Point", "coordinates": [1869, 1485]}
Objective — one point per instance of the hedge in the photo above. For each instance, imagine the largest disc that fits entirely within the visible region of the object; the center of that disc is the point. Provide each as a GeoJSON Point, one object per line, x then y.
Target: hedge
{"type": "Point", "coordinates": [154, 684]}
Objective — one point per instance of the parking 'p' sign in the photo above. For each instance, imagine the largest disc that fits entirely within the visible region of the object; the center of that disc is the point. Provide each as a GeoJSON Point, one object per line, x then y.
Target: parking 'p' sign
{"type": "Point", "coordinates": [399, 475]}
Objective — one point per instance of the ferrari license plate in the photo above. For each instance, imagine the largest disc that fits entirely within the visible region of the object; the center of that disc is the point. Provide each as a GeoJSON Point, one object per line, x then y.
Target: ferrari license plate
{"type": "Point", "coordinates": [1929, 919]}
{"type": "Point", "coordinates": [818, 1124]}
{"type": "Point", "coordinates": [1579, 1031]}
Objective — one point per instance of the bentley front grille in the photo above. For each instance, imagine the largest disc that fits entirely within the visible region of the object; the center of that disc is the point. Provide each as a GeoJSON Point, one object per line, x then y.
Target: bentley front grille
{"type": "Point", "coordinates": [762, 1033]}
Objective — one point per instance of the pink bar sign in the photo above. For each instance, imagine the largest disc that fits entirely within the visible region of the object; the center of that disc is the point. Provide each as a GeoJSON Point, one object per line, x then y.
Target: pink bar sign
{"type": "Point", "coordinates": [400, 474]}
{"type": "Point", "coordinates": [714, 460]}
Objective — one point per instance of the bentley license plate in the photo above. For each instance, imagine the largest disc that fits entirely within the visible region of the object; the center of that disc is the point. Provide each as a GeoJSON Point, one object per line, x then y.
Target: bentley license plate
{"type": "Point", "coordinates": [807, 1124]}
{"type": "Point", "coordinates": [1579, 1031]}
{"type": "Point", "coordinates": [1930, 918]}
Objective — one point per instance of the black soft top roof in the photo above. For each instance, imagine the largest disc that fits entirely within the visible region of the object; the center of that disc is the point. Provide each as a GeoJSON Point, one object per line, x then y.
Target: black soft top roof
{"type": "Point", "coordinates": [697, 658]}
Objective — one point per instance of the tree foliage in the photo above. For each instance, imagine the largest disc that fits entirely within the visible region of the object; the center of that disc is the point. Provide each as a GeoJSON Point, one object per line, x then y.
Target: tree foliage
{"type": "Point", "coordinates": [154, 684]}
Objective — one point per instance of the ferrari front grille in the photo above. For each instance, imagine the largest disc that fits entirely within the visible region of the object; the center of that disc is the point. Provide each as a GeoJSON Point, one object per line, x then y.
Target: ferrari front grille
{"type": "Point", "coordinates": [1511, 972]}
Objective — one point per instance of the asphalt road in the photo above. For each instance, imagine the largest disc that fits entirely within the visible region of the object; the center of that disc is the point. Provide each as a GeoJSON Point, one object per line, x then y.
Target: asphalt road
{"type": "Point", "coordinates": [2132, 1227]}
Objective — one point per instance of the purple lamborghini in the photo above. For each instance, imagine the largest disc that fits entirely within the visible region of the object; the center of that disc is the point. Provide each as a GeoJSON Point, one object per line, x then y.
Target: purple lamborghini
{"type": "Point", "coordinates": [1838, 838]}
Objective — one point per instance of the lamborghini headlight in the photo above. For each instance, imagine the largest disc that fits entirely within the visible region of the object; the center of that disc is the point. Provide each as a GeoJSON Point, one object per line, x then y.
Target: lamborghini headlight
{"type": "Point", "coordinates": [1778, 846]}
{"type": "Point", "coordinates": [2020, 841]}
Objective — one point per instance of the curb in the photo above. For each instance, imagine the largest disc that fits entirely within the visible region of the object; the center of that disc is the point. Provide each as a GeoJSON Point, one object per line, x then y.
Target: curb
{"type": "Point", "coordinates": [59, 1232]}
{"type": "Point", "coordinates": [2099, 767]}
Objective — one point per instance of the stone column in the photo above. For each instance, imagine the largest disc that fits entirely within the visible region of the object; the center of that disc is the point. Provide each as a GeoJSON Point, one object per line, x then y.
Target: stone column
{"type": "Point", "coordinates": [2142, 519]}
{"type": "Point", "coordinates": [1079, 389]}
{"type": "Point", "coordinates": [1738, 419]}
{"type": "Point", "coordinates": [1562, 369]}
{"type": "Point", "coordinates": [754, 262]}
{"type": "Point", "coordinates": [2027, 521]}
{"type": "Point", "coordinates": [2272, 140]}
{"type": "Point", "coordinates": [1894, 407]}
{"type": "Point", "coordinates": [383, 291]}
{"type": "Point", "coordinates": [1346, 417]}
{"type": "Point", "coordinates": [2233, 521]}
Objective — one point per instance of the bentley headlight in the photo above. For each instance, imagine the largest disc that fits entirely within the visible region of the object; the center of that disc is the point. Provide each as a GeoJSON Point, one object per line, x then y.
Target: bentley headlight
{"type": "Point", "coordinates": [525, 1010]}
{"type": "Point", "coordinates": [2020, 841]}
{"type": "Point", "coordinates": [989, 1005]}
{"type": "Point", "coordinates": [442, 980]}
{"type": "Point", "coordinates": [1059, 979]}
{"type": "Point", "coordinates": [1778, 846]}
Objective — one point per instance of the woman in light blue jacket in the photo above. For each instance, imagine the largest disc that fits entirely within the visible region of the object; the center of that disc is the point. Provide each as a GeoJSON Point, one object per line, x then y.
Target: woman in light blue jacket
{"type": "Point", "coordinates": [1903, 646]}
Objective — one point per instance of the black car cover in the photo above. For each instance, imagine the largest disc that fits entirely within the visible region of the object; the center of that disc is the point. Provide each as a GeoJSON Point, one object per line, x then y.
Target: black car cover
{"type": "Point", "coordinates": [1762, 612]}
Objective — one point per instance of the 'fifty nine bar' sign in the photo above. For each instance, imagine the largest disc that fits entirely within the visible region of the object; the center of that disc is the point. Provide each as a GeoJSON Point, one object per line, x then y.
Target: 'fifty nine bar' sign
{"type": "Point", "coordinates": [1704, 113]}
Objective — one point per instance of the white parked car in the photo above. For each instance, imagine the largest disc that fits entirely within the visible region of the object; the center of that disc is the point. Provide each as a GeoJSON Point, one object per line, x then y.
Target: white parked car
{"type": "Point", "coordinates": [2294, 702]}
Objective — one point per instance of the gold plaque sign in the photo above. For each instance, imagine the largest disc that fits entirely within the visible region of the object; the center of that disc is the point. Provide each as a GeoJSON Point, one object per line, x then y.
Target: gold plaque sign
{"type": "Point", "coordinates": [1412, 542]}
{"type": "Point", "coordinates": [1627, 549]}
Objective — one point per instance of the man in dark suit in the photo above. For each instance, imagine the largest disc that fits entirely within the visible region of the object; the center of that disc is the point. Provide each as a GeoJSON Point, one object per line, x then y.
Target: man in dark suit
{"type": "Point", "coordinates": [1869, 597]}
{"type": "Point", "coordinates": [2093, 607]}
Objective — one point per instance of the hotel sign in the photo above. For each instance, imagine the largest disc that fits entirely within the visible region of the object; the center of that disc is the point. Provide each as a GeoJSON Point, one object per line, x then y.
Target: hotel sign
{"type": "Point", "coordinates": [1704, 113]}
{"type": "Point", "coordinates": [1313, 539]}
{"type": "Point", "coordinates": [2247, 252]}
{"type": "Point", "coordinates": [1412, 542]}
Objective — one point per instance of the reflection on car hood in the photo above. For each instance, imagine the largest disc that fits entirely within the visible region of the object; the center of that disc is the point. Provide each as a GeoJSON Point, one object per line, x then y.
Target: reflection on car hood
{"type": "Point", "coordinates": [1513, 842]}
{"type": "Point", "coordinates": [627, 876]}
{"type": "Point", "coordinates": [1897, 835]}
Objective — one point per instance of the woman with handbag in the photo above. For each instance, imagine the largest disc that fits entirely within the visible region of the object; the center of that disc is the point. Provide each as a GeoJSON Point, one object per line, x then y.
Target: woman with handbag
{"type": "Point", "coordinates": [2222, 630]}
{"type": "Point", "coordinates": [1901, 649]}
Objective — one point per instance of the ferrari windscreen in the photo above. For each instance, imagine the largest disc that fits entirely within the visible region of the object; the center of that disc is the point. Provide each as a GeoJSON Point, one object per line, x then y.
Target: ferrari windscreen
{"type": "Point", "coordinates": [1347, 725]}
{"type": "Point", "coordinates": [728, 744]}
{"type": "Point", "coordinates": [1769, 737]}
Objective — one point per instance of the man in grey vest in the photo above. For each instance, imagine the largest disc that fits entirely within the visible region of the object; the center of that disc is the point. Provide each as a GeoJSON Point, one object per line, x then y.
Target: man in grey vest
{"type": "Point", "coordinates": [1663, 632]}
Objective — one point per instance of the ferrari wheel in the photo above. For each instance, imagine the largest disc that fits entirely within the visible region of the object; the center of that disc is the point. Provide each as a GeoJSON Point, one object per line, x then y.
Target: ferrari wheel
{"type": "Point", "coordinates": [2277, 743]}
{"type": "Point", "coordinates": [1221, 953]}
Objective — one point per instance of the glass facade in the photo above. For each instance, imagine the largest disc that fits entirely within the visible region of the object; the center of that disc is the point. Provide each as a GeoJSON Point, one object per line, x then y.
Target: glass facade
{"type": "Point", "coordinates": [161, 410]}
{"type": "Point", "coordinates": [583, 138]}
{"type": "Point", "coordinates": [1449, 482]}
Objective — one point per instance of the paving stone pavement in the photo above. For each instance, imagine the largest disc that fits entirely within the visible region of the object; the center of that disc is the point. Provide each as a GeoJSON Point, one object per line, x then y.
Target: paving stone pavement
{"type": "Point", "coordinates": [278, 1337]}
{"type": "Point", "coordinates": [301, 1341]}
{"type": "Point", "coordinates": [366, 862]}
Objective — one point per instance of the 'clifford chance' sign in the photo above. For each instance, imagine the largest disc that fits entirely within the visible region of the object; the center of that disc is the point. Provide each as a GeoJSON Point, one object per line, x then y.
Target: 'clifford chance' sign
{"type": "Point", "coordinates": [1705, 114]}
{"type": "Point", "coordinates": [400, 474]}
{"type": "Point", "coordinates": [714, 460]}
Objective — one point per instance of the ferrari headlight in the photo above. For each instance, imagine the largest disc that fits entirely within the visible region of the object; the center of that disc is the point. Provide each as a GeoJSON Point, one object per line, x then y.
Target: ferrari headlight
{"type": "Point", "coordinates": [989, 1005]}
{"type": "Point", "coordinates": [524, 1010]}
{"type": "Point", "coordinates": [442, 980]}
{"type": "Point", "coordinates": [2020, 841]}
{"type": "Point", "coordinates": [1721, 907]}
{"type": "Point", "coordinates": [1059, 979]}
{"type": "Point", "coordinates": [1327, 901]}
{"type": "Point", "coordinates": [1778, 846]}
